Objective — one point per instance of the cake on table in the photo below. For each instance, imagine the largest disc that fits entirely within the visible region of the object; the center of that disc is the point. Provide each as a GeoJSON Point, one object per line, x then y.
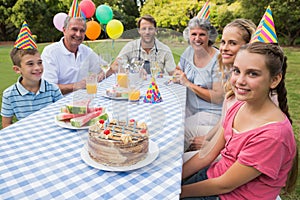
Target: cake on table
{"type": "Point", "coordinates": [117, 91]}
{"type": "Point", "coordinates": [118, 143]}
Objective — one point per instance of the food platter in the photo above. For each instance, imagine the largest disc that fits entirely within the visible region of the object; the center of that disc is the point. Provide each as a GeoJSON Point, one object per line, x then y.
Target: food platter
{"type": "Point", "coordinates": [67, 124]}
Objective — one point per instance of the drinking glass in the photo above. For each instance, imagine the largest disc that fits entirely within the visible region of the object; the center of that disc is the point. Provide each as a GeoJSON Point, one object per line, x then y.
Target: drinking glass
{"type": "Point", "coordinates": [91, 84]}
{"type": "Point", "coordinates": [105, 60]}
{"type": "Point", "coordinates": [122, 75]}
{"type": "Point", "coordinates": [154, 67]}
{"type": "Point", "coordinates": [135, 76]}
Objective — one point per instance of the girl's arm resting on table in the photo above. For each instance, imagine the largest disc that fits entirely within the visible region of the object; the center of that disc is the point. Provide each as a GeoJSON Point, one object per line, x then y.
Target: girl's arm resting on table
{"type": "Point", "coordinates": [199, 161]}
{"type": "Point", "coordinates": [237, 175]}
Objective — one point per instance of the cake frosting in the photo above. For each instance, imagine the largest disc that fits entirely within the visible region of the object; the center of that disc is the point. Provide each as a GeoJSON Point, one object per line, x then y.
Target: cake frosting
{"type": "Point", "coordinates": [118, 143]}
{"type": "Point", "coordinates": [117, 91]}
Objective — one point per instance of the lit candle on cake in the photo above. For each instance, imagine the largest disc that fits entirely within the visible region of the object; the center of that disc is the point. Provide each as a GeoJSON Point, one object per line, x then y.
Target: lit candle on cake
{"type": "Point", "coordinates": [123, 130]}
{"type": "Point", "coordinates": [113, 129]}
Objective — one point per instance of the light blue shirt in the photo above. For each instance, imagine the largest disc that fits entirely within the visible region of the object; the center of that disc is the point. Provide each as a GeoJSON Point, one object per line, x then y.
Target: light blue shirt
{"type": "Point", "coordinates": [20, 102]}
{"type": "Point", "coordinates": [204, 77]}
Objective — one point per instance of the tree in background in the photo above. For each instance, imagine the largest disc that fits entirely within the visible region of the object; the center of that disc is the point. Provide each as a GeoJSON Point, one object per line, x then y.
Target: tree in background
{"type": "Point", "coordinates": [7, 28]}
{"type": "Point", "coordinates": [176, 14]}
{"type": "Point", "coordinates": [171, 14]}
{"type": "Point", "coordinates": [168, 13]}
{"type": "Point", "coordinates": [286, 15]}
{"type": "Point", "coordinates": [38, 14]}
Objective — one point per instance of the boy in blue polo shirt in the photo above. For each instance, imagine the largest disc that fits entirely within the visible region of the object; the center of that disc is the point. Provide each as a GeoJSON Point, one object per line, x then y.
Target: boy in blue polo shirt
{"type": "Point", "coordinates": [30, 93]}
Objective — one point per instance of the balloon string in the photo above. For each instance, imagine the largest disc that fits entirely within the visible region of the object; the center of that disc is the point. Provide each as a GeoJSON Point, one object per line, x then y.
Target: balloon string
{"type": "Point", "coordinates": [106, 36]}
{"type": "Point", "coordinates": [87, 43]}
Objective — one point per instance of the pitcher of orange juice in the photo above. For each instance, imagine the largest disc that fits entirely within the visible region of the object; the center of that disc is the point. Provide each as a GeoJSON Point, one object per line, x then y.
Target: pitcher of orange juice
{"type": "Point", "coordinates": [122, 79]}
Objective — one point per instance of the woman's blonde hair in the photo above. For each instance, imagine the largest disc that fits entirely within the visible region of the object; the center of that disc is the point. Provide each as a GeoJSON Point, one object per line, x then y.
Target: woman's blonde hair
{"type": "Point", "coordinates": [247, 28]}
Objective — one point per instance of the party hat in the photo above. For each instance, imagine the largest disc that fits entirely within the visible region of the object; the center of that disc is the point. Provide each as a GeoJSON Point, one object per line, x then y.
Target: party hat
{"type": "Point", "coordinates": [265, 31]}
{"type": "Point", "coordinates": [153, 94]}
{"type": "Point", "coordinates": [75, 9]}
{"type": "Point", "coordinates": [24, 39]}
{"type": "Point", "coordinates": [205, 11]}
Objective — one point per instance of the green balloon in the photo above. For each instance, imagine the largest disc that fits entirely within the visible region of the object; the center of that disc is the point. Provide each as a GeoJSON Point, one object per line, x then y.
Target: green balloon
{"type": "Point", "coordinates": [104, 14]}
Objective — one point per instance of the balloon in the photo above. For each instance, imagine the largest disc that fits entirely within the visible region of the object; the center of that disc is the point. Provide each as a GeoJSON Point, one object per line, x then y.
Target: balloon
{"type": "Point", "coordinates": [104, 14]}
{"type": "Point", "coordinates": [93, 30]}
{"type": "Point", "coordinates": [114, 29]}
{"type": "Point", "coordinates": [88, 8]}
{"type": "Point", "coordinates": [58, 21]}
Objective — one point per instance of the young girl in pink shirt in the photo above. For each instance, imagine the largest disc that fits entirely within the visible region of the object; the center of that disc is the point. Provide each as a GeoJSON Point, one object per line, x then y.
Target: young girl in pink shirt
{"type": "Point", "coordinates": [257, 143]}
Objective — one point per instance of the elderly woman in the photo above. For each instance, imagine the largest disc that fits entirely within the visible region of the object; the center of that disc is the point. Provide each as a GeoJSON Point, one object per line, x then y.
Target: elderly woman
{"type": "Point", "coordinates": [199, 73]}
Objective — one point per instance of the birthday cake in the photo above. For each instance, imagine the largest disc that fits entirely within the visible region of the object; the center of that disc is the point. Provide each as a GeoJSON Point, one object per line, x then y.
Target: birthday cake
{"type": "Point", "coordinates": [118, 143]}
{"type": "Point", "coordinates": [117, 91]}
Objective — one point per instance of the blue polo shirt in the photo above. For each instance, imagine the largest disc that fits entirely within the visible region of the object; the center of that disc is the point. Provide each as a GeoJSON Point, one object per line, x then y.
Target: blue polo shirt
{"type": "Point", "coordinates": [20, 102]}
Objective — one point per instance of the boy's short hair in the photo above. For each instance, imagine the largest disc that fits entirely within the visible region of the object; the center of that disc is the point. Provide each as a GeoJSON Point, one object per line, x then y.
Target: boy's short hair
{"type": "Point", "coordinates": [17, 54]}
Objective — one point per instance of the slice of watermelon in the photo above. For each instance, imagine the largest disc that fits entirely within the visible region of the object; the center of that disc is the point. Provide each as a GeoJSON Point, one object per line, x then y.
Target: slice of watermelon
{"type": "Point", "coordinates": [64, 116]}
{"type": "Point", "coordinates": [64, 109]}
{"type": "Point", "coordinates": [93, 121]}
{"type": "Point", "coordinates": [79, 107]}
{"type": "Point", "coordinates": [93, 109]}
{"type": "Point", "coordinates": [80, 121]}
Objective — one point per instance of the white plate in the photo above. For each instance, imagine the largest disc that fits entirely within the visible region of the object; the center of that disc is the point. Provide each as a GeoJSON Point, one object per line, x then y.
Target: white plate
{"type": "Point", "coordinates": [115, 98]}
{"type": "Point", "coordinates": [68, 125]}
{"type": "Point", "coordinates": [152, 155]}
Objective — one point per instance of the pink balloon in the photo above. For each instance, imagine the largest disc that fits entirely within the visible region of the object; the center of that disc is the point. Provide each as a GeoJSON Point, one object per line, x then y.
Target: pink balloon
{"type": "Point", "coordinates": [58, 21]}
{"type": "Point", "coordinates": [88, 8]}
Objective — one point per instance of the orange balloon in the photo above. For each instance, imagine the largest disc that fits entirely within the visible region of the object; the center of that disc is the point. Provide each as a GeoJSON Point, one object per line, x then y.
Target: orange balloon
{"type": "Point", "coordinates": [93, 30]}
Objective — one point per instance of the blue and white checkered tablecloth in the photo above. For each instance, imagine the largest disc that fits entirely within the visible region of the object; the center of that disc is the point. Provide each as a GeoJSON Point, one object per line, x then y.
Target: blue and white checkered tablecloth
{"type": "Point", "coordinates": [41, 160]}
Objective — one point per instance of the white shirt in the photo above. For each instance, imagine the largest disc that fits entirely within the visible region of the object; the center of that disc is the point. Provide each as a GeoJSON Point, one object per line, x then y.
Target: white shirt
{"type": "Point", "coordinates": [61, 66]}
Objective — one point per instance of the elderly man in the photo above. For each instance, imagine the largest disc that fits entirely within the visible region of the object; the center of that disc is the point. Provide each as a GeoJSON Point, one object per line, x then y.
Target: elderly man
{"type": "Point", "coordinates": [68, 61]}
{"type": "Point", "coordinates": [147, 48]}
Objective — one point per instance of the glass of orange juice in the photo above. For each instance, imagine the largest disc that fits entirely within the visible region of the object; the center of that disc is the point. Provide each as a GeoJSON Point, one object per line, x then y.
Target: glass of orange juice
{"type": "Point", "coordinates": [134, 94]}
{"type": "Point", "coordinates": [91, 84]}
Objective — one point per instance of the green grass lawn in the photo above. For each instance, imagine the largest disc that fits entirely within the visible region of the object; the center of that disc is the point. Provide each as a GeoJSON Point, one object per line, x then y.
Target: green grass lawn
{"type": "Point", "coordinates": [8, 77]}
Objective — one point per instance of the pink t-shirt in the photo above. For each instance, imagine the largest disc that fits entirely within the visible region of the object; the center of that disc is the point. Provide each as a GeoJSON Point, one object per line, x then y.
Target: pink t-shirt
{"type": "Point", "coordinates": [269, 148]}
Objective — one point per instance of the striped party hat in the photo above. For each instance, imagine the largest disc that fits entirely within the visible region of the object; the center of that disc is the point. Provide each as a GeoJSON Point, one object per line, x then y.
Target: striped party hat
{"type": "Point", "coordinates": [205, 11]}
{"type": "Point", "coordinates": [75, 9]}
{"type": "Point", "coordinates": [265, 31]}
{"type": "Point", "coordinates": [25, 39]}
